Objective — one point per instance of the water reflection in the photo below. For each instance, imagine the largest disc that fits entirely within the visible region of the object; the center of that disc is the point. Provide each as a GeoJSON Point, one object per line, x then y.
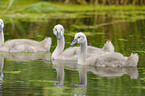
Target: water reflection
{"type": "Point", "coordinates": [116, 71]}
{"type": "Point", "coordinates": [26, 56]}
{"type": "Point", "coordinates": [61, 66]}
{"type": "Point", "coordinates": [1, 68]}
{"type": "Point", "coordinates": [60, 75]}
{"type": "Point", "coordinates": [82, 75]}
{"type": "Point", "coordinates": [1, 73]}
{"type": "Point", "coordinates": [18, 57]}
{"type": "Point", "coordinates": [33, 78]}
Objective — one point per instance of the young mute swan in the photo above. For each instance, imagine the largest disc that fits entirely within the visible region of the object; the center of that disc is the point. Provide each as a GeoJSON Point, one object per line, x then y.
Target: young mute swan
{"type": "Point", "coordinates": [104, 59]}
{"type": "Point", "coordinates": [71, 52]}
{"type": "Point", "coordinates": [22, 45]}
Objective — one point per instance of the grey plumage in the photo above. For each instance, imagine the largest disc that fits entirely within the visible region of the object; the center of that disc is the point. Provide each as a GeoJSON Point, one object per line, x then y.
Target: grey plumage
{"type": "Point", "coordinates": [23, 45]}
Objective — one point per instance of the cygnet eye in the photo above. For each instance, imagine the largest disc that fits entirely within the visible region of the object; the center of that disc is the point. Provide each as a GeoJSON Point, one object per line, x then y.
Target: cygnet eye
{"type": "Point", "coordinates": [79, 37]}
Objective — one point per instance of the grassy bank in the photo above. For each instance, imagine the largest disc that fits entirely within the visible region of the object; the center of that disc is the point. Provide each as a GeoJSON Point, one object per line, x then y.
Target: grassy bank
{"type": "Point", "coordinates": [37, 10]}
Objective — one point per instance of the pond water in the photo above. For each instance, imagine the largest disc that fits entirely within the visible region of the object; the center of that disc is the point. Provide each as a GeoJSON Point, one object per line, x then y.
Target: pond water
{"type": "Point", "coordinates": [34, 74]}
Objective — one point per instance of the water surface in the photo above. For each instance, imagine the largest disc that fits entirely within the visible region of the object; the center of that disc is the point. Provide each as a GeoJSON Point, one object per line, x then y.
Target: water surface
{"type": "Point", "coordinates": [26, 74]}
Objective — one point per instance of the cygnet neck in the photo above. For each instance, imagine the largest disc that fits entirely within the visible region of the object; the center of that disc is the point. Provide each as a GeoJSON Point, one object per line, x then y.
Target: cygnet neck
{"type": "Point", "coordinates": [83, 53]}
{"type": "Point", "coordinates": [59, 48]}
{"type": "Point", "coordinates": [1, 38]}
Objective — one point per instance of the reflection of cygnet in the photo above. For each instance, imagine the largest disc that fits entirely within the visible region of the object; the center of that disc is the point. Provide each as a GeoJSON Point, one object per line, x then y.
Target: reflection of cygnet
{"type": "Point", "coordinates": [27, 56]}
{"type": "Point", "coordinates": [82, 70]}
{"type": "Point", "coordinates": [59, 65]}
{"type": "Point", "coordinates": [115, 71]}
{"type": "Point", "coordinates": [60, 74]}
{"type": "Point", "coordinates": [69, 64]}
{"type": "Point", "coordinates": [132, 72]}
{"type": "Point", "coordinates": [82, 75]}
{"type": "Point", "coordinates": [1, 68]}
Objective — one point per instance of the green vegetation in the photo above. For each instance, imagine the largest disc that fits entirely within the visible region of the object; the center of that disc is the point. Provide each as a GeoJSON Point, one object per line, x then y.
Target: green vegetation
{"type": "Point", "coordinates": [37, 9]}
{"type": "Point", "coordinates": [105, 2]}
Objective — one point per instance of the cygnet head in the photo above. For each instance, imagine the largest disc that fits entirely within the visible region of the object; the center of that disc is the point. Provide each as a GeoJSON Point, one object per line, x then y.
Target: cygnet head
{"type": "Point", "coordinates": [79, 38]}
{"type": "Point", "coordinates": [1, 25]}
{"type": "Point", "coordinates": [58, 30]}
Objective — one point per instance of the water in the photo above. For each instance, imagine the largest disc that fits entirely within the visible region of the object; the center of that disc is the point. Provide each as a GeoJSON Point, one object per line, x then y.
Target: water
{"type": "Point", "coordinates": [26, 74]}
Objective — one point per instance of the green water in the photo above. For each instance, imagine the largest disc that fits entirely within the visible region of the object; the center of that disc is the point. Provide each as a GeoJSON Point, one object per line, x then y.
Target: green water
{"type": "Point", "coordinates": [26, 74]}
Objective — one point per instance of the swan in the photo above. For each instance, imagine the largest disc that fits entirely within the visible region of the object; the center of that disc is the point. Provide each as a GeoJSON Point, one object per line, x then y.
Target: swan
{"type": "Point", "coordinates": [71, 52]}
{"type": "Point", "coordinates": [22, 45]}
{"type": "Point", "coordinates": [103, 59]}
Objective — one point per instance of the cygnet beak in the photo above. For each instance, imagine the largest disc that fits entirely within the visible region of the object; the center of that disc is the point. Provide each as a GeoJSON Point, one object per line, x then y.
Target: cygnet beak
{"type": "Point", "coordinates": [73, 42]}
{"type": "Point", "coordinates": [58, 35]}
